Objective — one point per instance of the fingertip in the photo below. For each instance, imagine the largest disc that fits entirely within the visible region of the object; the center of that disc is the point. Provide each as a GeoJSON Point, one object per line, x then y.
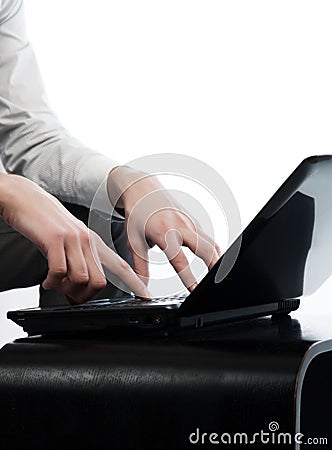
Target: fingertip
{"type": "Point", "coordinates": [45, 285]}
{"type": "Point", "coordinates": [211, 265]}
{"type": "Point", "coordinates": [214, 261]}
{"type": "Point", "coordinates": [145, 299]}
{"type": "Point", "coordinates": [192, 286]}
{"type": "Point", "coordinates": [146, 296]}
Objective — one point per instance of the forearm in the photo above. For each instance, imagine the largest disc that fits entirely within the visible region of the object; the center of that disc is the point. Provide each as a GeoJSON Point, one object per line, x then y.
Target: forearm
{"type": "Point", "coordinates": [3, 191]}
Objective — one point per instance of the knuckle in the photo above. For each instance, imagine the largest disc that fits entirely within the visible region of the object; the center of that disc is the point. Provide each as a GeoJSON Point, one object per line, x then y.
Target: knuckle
{"type": "Point", "coordinates": [162, 244]}
{"type": "Point", "coordinates": [99, 283]}
{"type": "Point", "coordinates": [80, 278]}
{"type": "Point", "coordinates": [59, 234]}
{"type": "Point", "coordinates": [84, 236]}
{"type": "Point", "coordinates": [71, 235]}
{"type": "Point", "coordinates": [157, 229]}
{"type": "Point", "coordinates": [160, 238]}
{"type": "Point", "coordinates": [180, 264]}
{"type": "Point", "coordinates": [78, 234]}
{"type": "Point", "coordinates": [182, 221]}
{"type": "Point", "coordinates": [58, 272]}
{"type": "Point", "coordinates": [164, 228]}
{"type": "Point", "coordinates": [80, 224]}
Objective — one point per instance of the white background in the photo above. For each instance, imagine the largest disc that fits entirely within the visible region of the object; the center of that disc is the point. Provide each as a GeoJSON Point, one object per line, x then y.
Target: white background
{"type": "Point", "coordinates": [245, 86]}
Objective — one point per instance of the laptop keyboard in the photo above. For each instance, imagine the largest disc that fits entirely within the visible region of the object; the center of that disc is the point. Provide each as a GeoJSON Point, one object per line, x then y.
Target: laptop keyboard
{"type": "Point", "coordinates": [125, 302]}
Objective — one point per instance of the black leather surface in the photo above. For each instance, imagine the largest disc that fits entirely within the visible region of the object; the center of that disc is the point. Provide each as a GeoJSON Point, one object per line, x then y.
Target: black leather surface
{"type": "Point", "coordinates": [150, 394]}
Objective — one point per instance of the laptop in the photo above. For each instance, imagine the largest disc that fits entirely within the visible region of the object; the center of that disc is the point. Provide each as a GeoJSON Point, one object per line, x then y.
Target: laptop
{"type": "Point", "coordinates": [283, 254]}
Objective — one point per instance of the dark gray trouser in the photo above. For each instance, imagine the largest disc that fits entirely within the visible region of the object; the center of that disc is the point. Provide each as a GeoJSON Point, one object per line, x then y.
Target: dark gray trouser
{"type": "Point", "coordinates": [22, 264]}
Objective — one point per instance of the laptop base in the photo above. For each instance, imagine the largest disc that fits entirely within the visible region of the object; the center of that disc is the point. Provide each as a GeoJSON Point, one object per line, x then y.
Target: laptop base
{"type": "Point", "coordinates": [145, 320]}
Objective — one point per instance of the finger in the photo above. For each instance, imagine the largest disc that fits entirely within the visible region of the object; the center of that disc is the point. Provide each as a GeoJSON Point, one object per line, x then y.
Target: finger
{"type": "Point", "coordinates": [115, 264]}
{"type": "Point", "coordinates": [82, 288]}
{"type": "Point", "coordinates": [57, 266]}
{"type": "Point", "coordinates": [211, 241]}
{"type": "Point", "coordinates": [201, 247]}
{"type": "Point", "coordinates": [97, 279]}
{"type": "Point", "coordinates": [75, 293]}
{"type": "Point", "coordinates": [76, 283]}
{"type": "Point", "coordinates": [81, 293]}
{"type": "Point", "coordinates": [181, 266]}
{"type": "Point", "coordinates": [78, 273]}
{"type": "Point", "coordinates": [139, 252]}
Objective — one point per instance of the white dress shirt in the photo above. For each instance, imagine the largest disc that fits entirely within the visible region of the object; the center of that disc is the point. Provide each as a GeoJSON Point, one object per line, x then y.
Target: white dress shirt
{"type": "Point", "coordinates": [33, 143]}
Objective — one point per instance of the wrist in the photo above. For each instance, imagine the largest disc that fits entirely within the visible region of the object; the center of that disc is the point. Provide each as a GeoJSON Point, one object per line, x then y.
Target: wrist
{"type": "Point", "coordinates": [12, 188]}
{"type": "Point", "coordinates": [120, 182]}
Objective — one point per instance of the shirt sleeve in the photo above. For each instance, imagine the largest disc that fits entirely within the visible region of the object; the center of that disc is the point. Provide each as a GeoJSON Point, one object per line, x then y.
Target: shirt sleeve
{"type": "Point", "coordinates": [33, 143]}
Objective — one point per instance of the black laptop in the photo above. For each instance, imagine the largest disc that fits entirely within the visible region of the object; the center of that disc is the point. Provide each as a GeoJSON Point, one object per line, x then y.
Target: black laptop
{"type": "Point", "coordinates": [284, 253]}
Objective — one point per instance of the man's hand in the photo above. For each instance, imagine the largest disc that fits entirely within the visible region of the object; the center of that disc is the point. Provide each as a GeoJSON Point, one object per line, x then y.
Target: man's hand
{"type": "Point", "coordinates": [153, 217]}
{"type": "Point", "coordinates": [75, 254]}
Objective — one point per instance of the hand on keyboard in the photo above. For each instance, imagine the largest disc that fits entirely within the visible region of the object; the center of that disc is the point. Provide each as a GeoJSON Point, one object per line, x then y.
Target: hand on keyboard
{"type": "Point", "coordinates": [153, 217]}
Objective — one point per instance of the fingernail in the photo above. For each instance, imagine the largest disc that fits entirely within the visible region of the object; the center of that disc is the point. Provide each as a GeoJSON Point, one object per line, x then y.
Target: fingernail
{"type": "Point", "coordinates": [192, 287]}
{"type": "Point", "coordinates": [146, 295]}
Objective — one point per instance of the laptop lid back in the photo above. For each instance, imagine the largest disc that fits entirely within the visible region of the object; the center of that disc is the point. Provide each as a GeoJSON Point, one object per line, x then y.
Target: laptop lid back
{"type": "Point", "coordinates": [285, 252]}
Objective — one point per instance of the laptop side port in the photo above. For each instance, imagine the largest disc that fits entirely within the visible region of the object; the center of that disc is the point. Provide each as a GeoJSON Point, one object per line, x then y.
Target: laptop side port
{"type": "Point", "coordinates": [153, 320]}
{"type": "Point", "coordinates": [133, 320]}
